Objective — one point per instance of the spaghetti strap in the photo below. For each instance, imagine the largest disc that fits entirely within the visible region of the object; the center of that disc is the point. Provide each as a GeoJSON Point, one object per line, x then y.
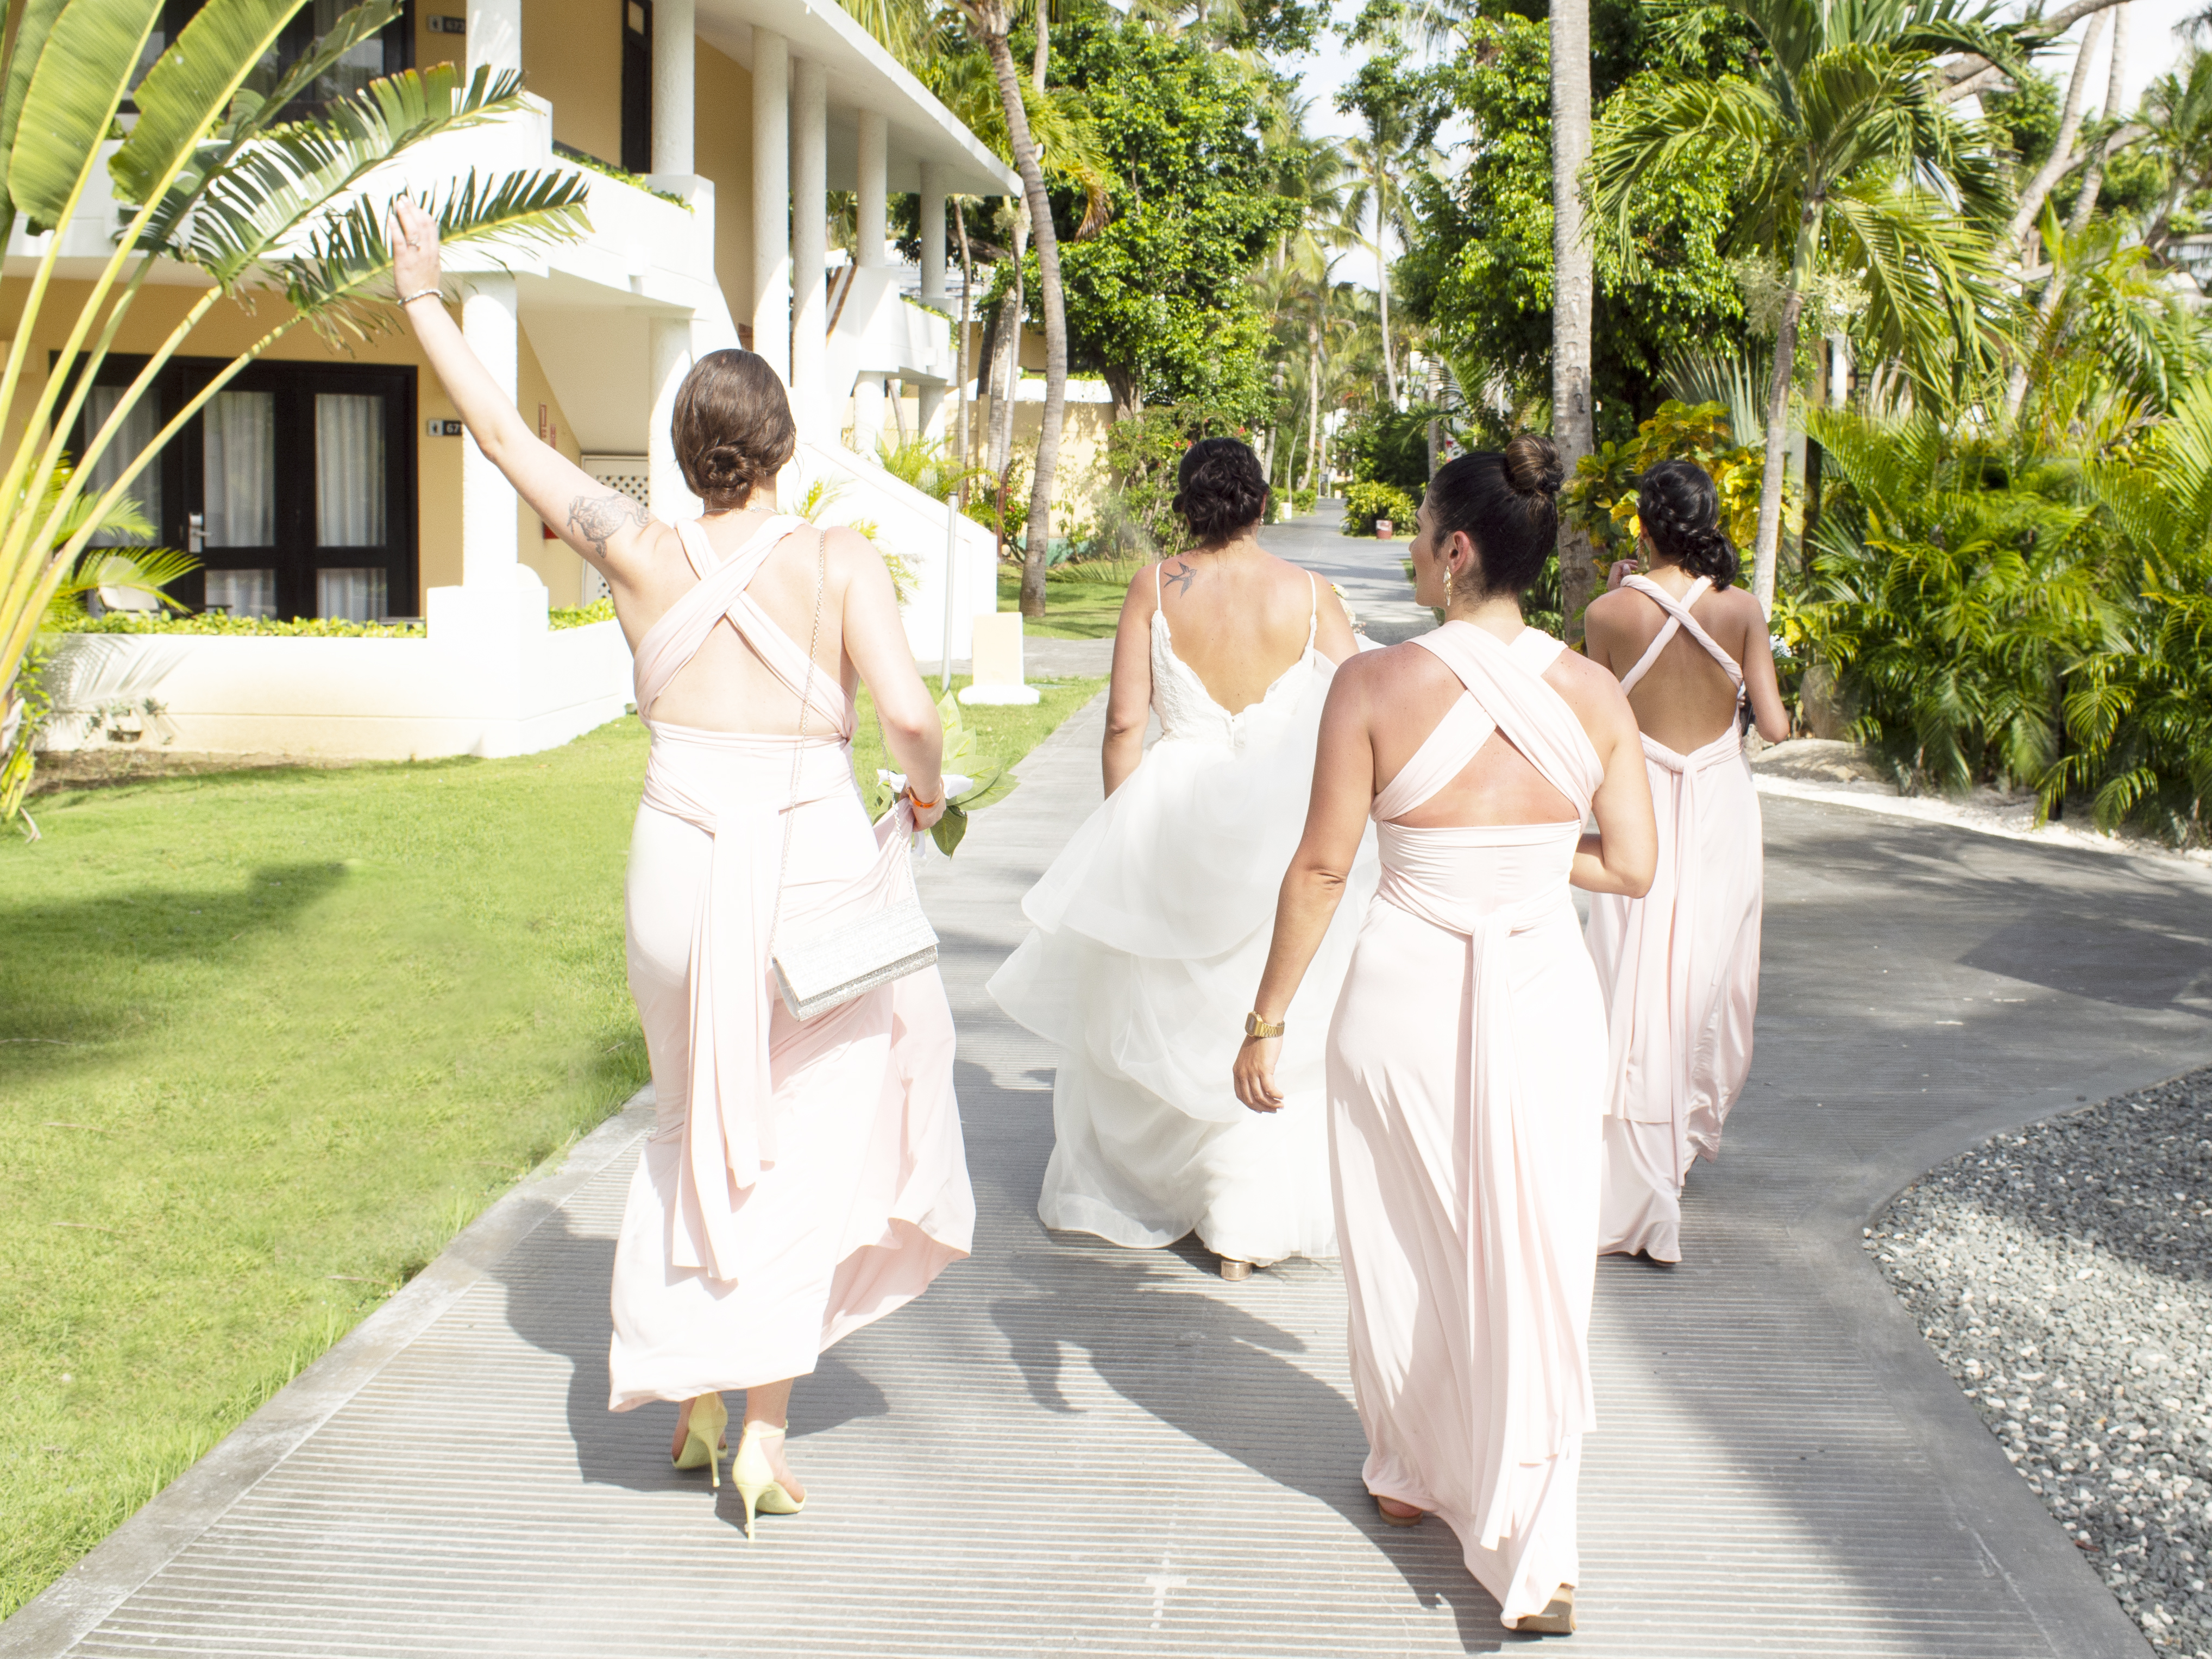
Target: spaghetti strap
{"type": "Point", "coordinates": [1313, 610]}
{"type": "Point", "coordinates": [1156, 606]}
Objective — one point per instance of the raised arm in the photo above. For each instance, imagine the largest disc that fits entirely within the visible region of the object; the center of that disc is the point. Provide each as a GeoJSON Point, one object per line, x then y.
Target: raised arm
{"type": "Point", "coordinates": [1336, 820]}
{"type": "Point", "coordinates": [1129, 701]}
{"type": "Point", "coordinates": [616, 534]}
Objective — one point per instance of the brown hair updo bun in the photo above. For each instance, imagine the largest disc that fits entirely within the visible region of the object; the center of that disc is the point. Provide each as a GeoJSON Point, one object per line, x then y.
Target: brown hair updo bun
{"type": "Point", "coordinates": [1507, 503]}
{"type": "Point", "coordinates": [733, 428]}
{"type": "Point", "coordinates": [1220, 488]}
{"type": "Point", "coordinates": [1679, 509]}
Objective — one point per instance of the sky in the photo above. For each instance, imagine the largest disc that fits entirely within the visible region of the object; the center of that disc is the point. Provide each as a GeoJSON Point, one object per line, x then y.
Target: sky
{"type": "Point", "coordinates": [2153, 47]}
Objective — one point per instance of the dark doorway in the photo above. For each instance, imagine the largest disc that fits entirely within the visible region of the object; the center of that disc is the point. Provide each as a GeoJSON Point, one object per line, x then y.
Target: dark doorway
{"type": "Point", "coordinates": [637, 85]}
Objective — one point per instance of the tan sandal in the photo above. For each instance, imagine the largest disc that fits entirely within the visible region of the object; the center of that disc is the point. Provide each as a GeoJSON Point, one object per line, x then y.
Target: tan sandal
{"type": "Point", "coordinates": [1558, 1617]}
{"type": "Point", "coordinates": [1381, 1509]}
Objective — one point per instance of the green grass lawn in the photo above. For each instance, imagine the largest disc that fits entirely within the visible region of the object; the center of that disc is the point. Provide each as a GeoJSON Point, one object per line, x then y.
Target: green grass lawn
{"type": "Point", "coordinates": [268, 1039]}
{"type": "Point", "coordinates": [1074, 609]}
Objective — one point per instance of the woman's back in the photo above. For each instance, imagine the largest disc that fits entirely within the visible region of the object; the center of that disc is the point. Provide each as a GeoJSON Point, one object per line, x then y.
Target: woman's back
{"type": "Point", "coordinates": [1238, 621]}
{"type": "Point", "coordinates": [1685, 697]}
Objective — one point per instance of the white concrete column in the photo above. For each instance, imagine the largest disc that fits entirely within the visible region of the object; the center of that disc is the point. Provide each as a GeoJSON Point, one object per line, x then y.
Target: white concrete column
{"type": "Point", "coordinates": [1839, 369]}
{"type": "Point", "coordinates": [930, 402]}
{"type": "Point", "coordinates": [495, 37]}
{"type": "Point", "coordinates": [867, 415]}
{"type": "Point", "coordinates": [933, 233]}
{"type": "Point", "coordinates": [870, 247]}
{"type": "Point", "coordinates": [772, 200]}
{"type": "Point", "coordinates": [810, 247]}
{"type": "Point", "coordinates": [490, 548]}
{"type": "Point", "coordinates": [673, 85]}
{"type": "Point", "coordinates": [669, 348]}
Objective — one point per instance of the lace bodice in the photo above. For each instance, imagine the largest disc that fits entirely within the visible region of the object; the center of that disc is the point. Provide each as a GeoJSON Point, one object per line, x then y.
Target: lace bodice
{"type": "Point", "coordinates": [1187, 709]}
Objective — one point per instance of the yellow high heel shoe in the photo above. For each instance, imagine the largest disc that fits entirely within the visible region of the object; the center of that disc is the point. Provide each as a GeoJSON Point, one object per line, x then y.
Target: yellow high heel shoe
{"type": "Point", "coordinates": [755, 1476]}
{"type": "Point", "coordinates": [703, 1437]}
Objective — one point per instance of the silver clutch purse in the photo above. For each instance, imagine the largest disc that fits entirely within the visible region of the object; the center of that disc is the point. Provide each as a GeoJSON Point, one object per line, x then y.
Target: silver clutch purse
{"type": "Point", "coordinates": [826, 972]}
{"type": "Point", "coordinates": [829, 971]}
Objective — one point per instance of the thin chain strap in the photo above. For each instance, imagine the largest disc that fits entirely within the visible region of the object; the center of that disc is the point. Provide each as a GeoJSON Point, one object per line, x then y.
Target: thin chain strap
{"type": "Point", "coordinates": [798, 749]}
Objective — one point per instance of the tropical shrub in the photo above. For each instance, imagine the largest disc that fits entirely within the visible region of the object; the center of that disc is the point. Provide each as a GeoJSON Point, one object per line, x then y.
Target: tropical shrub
{"type": "Point", "coordinates": [1365, 502]}
{"type": "Point", "coordinates": [1137, 518]}
{"type": "Point", "coordinates": [1390, 445]}
{"type": "Point", "coordinates": [1600, 499]}
{"type": "Point", "coordinates": [1958, 587]}
{"type": "Point", "coordinates": [929, 465]}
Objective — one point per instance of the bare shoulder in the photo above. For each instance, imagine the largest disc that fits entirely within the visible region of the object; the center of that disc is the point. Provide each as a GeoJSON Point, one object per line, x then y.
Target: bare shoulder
{"type": "Point", "coordinates": [1589, 688]}
{"type": "Point", "coordinates": [1739, 607]}
{"type": "Point", "coordinates": [1617, 606]}
{"type": "Point", "coordinates": [1393, 671]}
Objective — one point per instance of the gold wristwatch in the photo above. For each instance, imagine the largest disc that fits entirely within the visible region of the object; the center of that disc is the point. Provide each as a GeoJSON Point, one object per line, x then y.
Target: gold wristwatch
{"type": "Point", "coordinates": [1257, 1027]}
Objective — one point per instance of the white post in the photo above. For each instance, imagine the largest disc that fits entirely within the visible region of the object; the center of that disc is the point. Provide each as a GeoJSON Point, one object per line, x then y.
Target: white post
{"type": "Point", "coordinates": [867, 414]}
{"type": "Point", "coordinates": [933, 233]}
{"type": "Point", "coordinates": [875, 160]}
{"type": "Point", "coordinates": [810, 247]}
{"type": "Point", "coordinates": [1839, 369]}
{"type": "Point", "coordinates": [669, 497]}
{"type": "Point", "coordinates": [772, 200]}
{"type": "Point", "coordinates": [672, 35]}
{"type": "Point", "coordinates": [490, 547]}
{"type": "Point", "coordinates": [495, 36]}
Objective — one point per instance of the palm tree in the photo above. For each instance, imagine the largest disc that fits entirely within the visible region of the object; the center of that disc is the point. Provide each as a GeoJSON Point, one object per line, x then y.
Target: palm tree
{"type": "Point", "coordinates": [1850, 161]}
{"type": "Point", "coordinates": [1574, 288]}
{"type": "Point", "coordinates": [212, 177]}
{"type": "Point", "coordinates": [1376, 159]}
{"type": "Point", "coordinates": [991, 21]}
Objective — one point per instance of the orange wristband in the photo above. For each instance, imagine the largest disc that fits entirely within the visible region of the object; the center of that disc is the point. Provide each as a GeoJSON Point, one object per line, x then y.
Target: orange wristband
{"type": "Point", "coordinates": [919, 804]}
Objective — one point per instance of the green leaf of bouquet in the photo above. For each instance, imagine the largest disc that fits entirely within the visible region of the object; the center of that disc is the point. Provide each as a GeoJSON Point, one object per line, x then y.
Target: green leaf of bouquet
{"type": "Point", "coordinates": [949, 829]}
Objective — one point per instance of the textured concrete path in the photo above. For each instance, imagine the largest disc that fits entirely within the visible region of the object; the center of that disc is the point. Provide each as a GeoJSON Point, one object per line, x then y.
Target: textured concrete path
{"type": "Point", "coordinates": [1066, 1448]}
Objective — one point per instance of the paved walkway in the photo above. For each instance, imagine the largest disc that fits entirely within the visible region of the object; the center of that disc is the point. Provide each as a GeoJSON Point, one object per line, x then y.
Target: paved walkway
{"type": "Point", "coordinates": [1066, 1448]}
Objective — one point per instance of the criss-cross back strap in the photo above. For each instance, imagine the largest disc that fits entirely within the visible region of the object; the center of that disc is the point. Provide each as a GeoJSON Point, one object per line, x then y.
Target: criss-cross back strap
{"type": "Point", "coordinates": [720, 597]}
{"type": "Point", "coordinates": [1505, 692]}
{"type": "Point", "coordinates": [1678, 619]}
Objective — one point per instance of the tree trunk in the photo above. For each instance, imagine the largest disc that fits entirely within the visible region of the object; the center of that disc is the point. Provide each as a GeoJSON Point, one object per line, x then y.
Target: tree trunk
{"type": "Point", "coordinates": [1767, 545]}
{"type": "Point", "coordinates": [1038, 532]}
{"type": "Point", "coordinates": [1573, 285]}
{"type": "Point", "coordinates": [1382, 280]}
{"type": "Point", "coordinates": [2038, 189]}
{"type": "Point", "coordinates": [2093, 177]}
{"type": "Point", "coordinates": [1005, 368]}
{"type": "Point", "coordinates": [1313, 407]}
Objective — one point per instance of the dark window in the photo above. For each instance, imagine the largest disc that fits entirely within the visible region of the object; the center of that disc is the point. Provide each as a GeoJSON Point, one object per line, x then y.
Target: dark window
{"type": "Point", "coordinates": [294, 486]}
{"type": "Point", "coordinates": [393, 49]}
{"type": "Point", "coordinates": [637, 85]}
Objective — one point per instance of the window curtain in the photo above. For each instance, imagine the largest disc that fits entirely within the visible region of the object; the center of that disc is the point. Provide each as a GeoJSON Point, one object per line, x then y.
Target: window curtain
{"type": "Point", "coordinates": [357, 65]}
{"type": "Point", "coordinates": [353, 595]}
{"type": "Point", "coordinates": [242, 593]}
{"type": "Point", "coordinates": [239, 469]}
{"type": "Point", "coordinates": [349, 471]}
{"type": "Point", "coordinates": [131, 439]}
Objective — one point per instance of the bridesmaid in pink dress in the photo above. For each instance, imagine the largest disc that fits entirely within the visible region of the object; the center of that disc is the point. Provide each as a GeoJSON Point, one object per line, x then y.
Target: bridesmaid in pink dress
{"type": "Point", "coordinates": [1466, 1079]}
{"type": "Point", "coordinates": [803, 1178]}
{"type": "Point", "coordinates": [1681, 965]}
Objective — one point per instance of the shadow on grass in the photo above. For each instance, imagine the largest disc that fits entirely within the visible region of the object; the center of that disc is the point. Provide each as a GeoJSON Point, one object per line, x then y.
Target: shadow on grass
{"type": "Point", "coordinates": [69, 970]}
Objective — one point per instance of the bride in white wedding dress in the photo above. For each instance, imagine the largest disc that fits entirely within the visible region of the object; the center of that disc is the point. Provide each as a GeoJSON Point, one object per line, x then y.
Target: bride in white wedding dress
{"type": "Point", "coordinates": [1152, 925]}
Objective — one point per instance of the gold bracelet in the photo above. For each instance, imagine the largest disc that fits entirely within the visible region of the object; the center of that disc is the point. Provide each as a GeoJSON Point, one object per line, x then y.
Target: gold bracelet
{"type": "Point", "coordinates": [1257, 1027]}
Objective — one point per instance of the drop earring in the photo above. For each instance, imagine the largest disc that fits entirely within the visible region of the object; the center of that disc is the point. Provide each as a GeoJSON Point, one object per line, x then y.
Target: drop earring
{"type": "Point", "coordinates": [1448, 587]}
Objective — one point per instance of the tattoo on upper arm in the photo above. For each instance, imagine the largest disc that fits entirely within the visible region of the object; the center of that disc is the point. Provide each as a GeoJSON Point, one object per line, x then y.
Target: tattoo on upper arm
{"type": "Point", "coordinates": [1181, 574]}
{"type": "Point", "coordinates": [598, 519]}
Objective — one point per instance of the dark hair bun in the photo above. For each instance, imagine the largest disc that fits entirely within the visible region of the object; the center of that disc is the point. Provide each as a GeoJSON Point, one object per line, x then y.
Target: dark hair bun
{"type": "Point", "coordinates": [1507, 505]}
{"type": "Point", "coordinates": [1220, 488]}
{"type": "Point", "coordinates": [1532, 466]}
{"type": "Point", "coordinates": [1679, 507]}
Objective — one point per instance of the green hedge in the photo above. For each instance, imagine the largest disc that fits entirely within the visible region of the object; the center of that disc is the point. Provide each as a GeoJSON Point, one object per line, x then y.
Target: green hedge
{"type": "Point", "coordinates": [1366, 501]}
{"type": "Point", "coordinates": [319, 627]}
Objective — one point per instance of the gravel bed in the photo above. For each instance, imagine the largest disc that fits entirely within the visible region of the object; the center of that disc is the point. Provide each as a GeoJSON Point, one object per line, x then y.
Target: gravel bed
{"type": "Point", "coordinates": [2063, 1276]}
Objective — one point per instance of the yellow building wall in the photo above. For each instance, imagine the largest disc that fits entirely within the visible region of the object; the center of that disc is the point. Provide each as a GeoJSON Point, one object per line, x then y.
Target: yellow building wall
{"type": "Point", "coordinates": [440, 48]}
{"type": "Point", "coordinates": [228, 328]}
{"type": "Point", "coordinates": [1080, 479]}
{"type": "Point", "coordinates": [557, 565]}
{"type": "Point", "coordinates": [572, 53]}
{"type": "Point", "coordinates": [722, 150]}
